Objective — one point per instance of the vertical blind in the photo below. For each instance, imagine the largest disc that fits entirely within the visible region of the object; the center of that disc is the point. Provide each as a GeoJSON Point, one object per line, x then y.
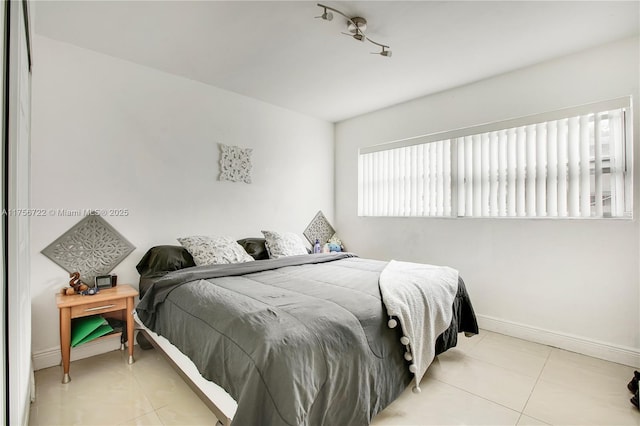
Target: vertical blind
{"type": "Point", "coordinates": [568, 163]}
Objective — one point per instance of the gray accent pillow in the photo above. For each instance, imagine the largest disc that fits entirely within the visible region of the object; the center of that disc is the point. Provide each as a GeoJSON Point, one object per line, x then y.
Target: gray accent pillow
{"type": "Point", "coordinates": [214, 250]}
{"type": "Point", "coordinates": [281, 244]}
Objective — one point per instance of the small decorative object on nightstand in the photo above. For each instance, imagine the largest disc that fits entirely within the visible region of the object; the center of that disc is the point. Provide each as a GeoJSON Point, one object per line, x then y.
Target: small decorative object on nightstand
{"type": "Point", "coordinates": [110, 300]}
{"type": "Point", "coordinates": [105, 281]}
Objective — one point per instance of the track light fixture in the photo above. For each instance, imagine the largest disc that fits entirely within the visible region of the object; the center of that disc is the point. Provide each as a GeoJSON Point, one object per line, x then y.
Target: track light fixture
{"type": "Point", "coordinates": [356, 27]}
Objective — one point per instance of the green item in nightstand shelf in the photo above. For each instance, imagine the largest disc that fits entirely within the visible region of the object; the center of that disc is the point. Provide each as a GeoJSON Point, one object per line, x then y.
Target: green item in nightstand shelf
{"type": "Point", "coordinates": [86, 329]}
{"type": "Point", "coordinates": [98, 332]}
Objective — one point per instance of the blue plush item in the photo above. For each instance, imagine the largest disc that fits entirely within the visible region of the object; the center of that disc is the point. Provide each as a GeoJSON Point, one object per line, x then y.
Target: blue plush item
{"type": "Point", "coordinates": [334, 247]}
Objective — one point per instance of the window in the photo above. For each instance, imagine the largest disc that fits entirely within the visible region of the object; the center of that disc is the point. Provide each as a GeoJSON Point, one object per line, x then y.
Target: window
{"type": "Point", "coordinates": [569, 163]}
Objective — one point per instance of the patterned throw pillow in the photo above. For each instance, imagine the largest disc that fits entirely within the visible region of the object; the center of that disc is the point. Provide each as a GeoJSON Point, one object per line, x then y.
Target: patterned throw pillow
{"type": "Point", "coordinates": [281, 244]}
{"type": "Point", "coordinates": [214, 250]}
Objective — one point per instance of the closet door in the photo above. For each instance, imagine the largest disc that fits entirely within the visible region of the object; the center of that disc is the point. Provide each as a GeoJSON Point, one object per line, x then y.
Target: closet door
{"type": "Point", "coordinates": [18, 159]}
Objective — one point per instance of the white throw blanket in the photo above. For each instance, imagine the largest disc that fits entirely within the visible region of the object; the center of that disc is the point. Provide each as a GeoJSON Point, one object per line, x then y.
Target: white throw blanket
{"type": "Point", "coordinates": [420, 297]}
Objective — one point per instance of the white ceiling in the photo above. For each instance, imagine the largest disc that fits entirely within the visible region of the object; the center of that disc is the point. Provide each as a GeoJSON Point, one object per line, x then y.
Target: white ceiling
{"type": "Point", "coordinates": [277, 52]}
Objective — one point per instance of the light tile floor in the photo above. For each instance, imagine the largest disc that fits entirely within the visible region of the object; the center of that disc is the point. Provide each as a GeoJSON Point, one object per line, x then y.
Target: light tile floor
{"type": "Point", "coordinates": [490, 379]}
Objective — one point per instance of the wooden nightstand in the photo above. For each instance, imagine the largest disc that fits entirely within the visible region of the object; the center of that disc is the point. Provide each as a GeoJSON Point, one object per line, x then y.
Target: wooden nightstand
{"type": "Point", "coordinates": [119, 298]}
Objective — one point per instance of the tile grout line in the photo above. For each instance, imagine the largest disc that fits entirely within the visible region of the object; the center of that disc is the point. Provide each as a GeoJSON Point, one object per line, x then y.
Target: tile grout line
{"type": "Point", "coordinates": [470, 354]}
{"type": "Point", "coordinates": [512, 370]}
{"type": "Point", "coordinates": [534, 387]}
{"type": "Point", "coordinates": [519, 417]}
{"type": "Point", "coordinates": [153, 409]}
{"type": "Point", "coordinates": [476, 395]}
{"type": "Point", "coordinates": [160, 417]}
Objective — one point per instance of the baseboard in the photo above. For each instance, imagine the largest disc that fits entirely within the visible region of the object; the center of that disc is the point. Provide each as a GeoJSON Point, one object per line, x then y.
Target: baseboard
{"type": "Point", "coordinates": [619, 354]}
{"type": "Point", "coordinates": [51, 357]}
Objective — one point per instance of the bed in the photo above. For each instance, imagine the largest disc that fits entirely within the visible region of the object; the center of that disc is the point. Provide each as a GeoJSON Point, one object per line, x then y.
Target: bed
{"type": "Point", "coordinates": [301, 340]}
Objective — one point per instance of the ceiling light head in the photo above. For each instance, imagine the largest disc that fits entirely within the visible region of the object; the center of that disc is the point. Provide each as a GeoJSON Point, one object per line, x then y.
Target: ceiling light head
{"type": "Point", "coordinates": [360, 36]}
{"type": "Point", "coordinates": [327, 16]}
{"type": "Point", "coordinates": [384, 52]}
{"type": "Point", "coordinates": [356, 25]}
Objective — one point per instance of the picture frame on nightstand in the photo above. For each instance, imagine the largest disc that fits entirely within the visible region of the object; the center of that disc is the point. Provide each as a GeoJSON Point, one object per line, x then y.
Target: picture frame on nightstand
{"type": "Point", "coordinates": [105, 281]}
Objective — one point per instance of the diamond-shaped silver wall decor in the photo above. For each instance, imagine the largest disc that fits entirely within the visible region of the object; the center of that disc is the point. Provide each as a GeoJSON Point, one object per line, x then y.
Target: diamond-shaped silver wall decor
{"type": "Point", "coordinates": [319, 229]}
{"type": "Point", "coordinates": [235, 163]}
{"type": "Point", "coordinates": [91, 247]}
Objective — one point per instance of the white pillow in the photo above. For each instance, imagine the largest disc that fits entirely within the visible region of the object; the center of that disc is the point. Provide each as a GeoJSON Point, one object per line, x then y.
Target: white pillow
{"type": "Point", "coordinates": [281, 244]}
{"type": "Point", "coordinates": [214, 250]}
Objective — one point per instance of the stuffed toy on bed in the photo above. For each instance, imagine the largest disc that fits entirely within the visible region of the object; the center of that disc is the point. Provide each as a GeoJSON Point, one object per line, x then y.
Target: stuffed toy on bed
{"type": "Point", "coordinates": [335, 245]}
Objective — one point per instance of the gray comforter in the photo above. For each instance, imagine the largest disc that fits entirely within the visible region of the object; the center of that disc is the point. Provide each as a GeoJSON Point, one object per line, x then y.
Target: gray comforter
{"type": "Point", "coordinates": [301, 340]}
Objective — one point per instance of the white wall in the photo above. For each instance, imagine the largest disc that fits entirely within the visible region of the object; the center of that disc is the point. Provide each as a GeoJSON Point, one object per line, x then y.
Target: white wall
{"type": "Point", "coordinates": [571, 283]}
{"type": "Point", "coordinates": [111, 134]}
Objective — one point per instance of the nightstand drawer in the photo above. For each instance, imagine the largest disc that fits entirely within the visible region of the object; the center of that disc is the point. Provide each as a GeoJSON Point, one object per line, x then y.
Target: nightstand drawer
{"type": "Point", "coordinates": [99, 307]}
